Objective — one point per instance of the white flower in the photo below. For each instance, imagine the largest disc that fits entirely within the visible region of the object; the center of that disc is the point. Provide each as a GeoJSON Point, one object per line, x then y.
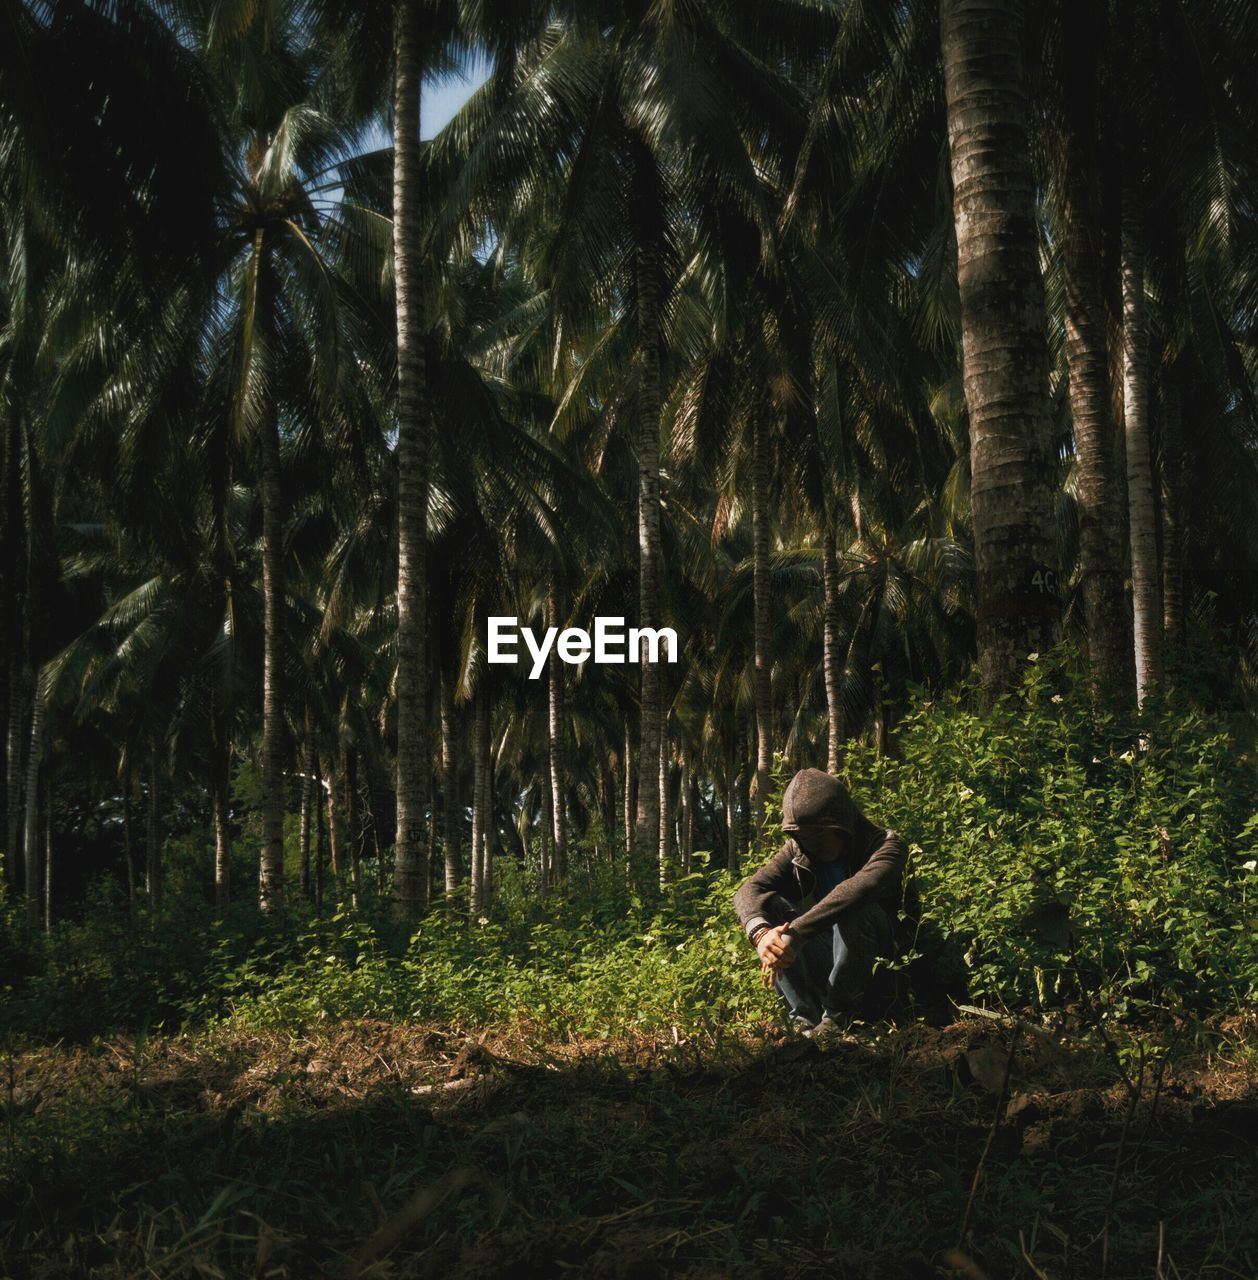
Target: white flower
{"type": "Point", "coordinates": [1056, 698]}
{"type": "Point", "coordinates": [963, 791]}
{"type": "Point", "coordinates": [1033, 657]}
{"type": "Point", "coordinates": [1251, 865]}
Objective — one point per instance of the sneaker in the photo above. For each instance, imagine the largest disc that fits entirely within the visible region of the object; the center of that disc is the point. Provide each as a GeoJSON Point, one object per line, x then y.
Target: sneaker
{"type": "Point", "coordinates": [829, 1030]}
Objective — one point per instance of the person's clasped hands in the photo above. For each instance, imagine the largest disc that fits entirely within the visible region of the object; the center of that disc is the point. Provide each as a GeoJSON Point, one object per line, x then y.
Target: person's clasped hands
{"type": "Point", "coordinates": [777, 952]}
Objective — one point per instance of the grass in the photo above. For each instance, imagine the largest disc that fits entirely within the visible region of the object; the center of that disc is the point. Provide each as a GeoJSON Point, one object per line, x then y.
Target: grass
{"type": "Point", "coordinates": [369, 1148]}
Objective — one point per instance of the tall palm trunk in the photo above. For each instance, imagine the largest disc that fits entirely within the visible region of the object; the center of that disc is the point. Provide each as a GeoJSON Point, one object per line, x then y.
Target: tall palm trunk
{"type": "Point", "coordinates": [480, 797]}
{"type": "Point", "coordinates": [152, 838]}
{"type": "Point", "coordinates": [353, 827]}
{"type": "Point", "coordinates": [219, 805]}
{"type": "Point", "coordinates": [128, 844]}
{"type": "Point", "coordinates": [48, 856]}
{"type": "Point", "coordinates": [649, 548]}
{"type": "Point", "coordinates": [558, 763]}
{"type": "Point", "coordinates": [544, 866]}
{"type": "Point", "coordinates": [763, 683]}
{"type": "Point", "coordinates": [319, 834]}
{"type": "Point", "coordinates": [31, 843]}
{"type": "Point", "coordinates": [307, 801]}
{"type": "Point", "coordinates": [1004, 346]}
{"type": "Point", "coordinates": [1141, 510]}
{"type": "Point", "coordinates": [1101, 558]}
{"type": "Point", "coordinates": [832, 652]}
{"type": "Point", "coordinates": [271, 863]}
{"type": "Point", "coordinates": [731, 824]}
{"type": "Point", "coordinates": [665, 841]}
{"type": "Point", "coordinates": [412, 464]}
{"type": "Point", "coordinates": [743, 796]}
{"type": "Point", "coordinates": [628, 797]}
{"type": "Point", "coordinates": [1174, 530]}
{"type": "Point", "coordinates": [336, 831]}
{"type": "Point", "coordinates": [19, 684]}
{"type": "Point", "coordinates": [451, 806]}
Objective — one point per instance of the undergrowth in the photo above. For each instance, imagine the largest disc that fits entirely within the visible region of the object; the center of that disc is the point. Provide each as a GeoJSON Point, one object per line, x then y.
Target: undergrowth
{"type": "Point", "coordinates": [1060, 851]}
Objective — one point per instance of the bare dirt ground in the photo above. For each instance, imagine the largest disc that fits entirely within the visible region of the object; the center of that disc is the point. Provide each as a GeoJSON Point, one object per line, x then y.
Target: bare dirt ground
{"type": "Point", "coordinates": [371, 1149]}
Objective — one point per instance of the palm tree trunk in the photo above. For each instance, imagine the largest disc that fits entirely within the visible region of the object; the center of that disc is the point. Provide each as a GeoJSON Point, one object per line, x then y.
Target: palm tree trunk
{"type": "Point", "coordinates": [451, 806]}
{"type": "Point", "coordinates": [412, 464]}
{"type": "Point", "coordinates": [353, 826]}
{"type": "Point", "coordinates": [1141, 511]}
{"type": "Point", "coordinates": [665, 841]}
{"type": "Point", "coordinates": [1174, 513]}
{"type": "Point", "coordinates": [831, 652]}
{"type": "Point", "coordinates": [19, 683]}
{"type": "Point", "coordinates": [1101, 557]}
{"type": "Point", "coordinates": [1004, 344]}
{"type": "Point", "coordinates": [628, 797]}
{"type": "Point", "coordinates": [307, 801]}
{"type": "Point", "coordinates": [336, 831]}
{"type": "Point", "coordinates": [731, 827]}
{"type": "Point", "coordinates": [763, 684]}
{"type": "Point", "coordinates": [271, 863]}
{"type": "Point", "coordinates": [558, 771]}
{"type": "Point", "coordinates": [319, 833]}
{"type": "Point", "coordinates": [219, 806]}
{"type": "Point", "coordinates": [547, 825]}
{"type": "Point", "coordinates": [480, 760]}
{"type": "Point", "coordinates": [152, 839]}
{"type": "Point", "coordinates": [649, 546]}
{"type": "Point", "coordinates": [747, 748]}
{"type": "Point", "coordinates": [35, 754]}
{"type": "Point", "coordinates": [687, 813]}
{"type": "Point", "coordinates": [128, 845]}
{"type": "Point", "coordinates": [48, 856]}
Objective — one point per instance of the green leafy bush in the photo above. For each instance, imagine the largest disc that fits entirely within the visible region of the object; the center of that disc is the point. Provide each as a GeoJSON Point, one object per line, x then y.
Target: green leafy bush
{"type": "Point", "coordinates": [1068, 850]}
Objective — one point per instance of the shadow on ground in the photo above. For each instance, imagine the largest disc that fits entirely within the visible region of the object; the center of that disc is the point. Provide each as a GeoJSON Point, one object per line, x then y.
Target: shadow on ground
{"type": "Point", "coordinates": [369, 1149]}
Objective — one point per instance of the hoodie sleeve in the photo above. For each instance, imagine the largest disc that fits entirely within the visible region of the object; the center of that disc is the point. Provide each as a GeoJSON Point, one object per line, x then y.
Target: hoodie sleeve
{"type": "Point", "coordinates": [878, 880]}
{"type": "Point", "coordinates": [751, 899]}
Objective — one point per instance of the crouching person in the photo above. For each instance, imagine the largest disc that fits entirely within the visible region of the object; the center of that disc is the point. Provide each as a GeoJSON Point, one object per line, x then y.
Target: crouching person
{"type": "Point", "coordinates": [826, 905]}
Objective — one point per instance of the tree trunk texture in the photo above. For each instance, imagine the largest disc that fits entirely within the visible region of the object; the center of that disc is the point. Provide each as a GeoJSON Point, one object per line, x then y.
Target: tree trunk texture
{"type": "Point", "coordinates": [627, 764]}
{"type": "Point", "coordinates": [649, 547]}
{"type": "Point", "coordinates": [271, 862]}
{"type": "Point", "coordinates": [19, 684]}
{"type": "Point", "coordinates": [48, 856]}
{"type": "Point", "coordinates": [558, 761]}
{"type": "Point", "coordinates": [451, 803]}
{"type": "Point", "coordinates": [832, 652]}
{"type": "Point", "coordinates": [152, 839]}
{"type": "Point", "coordinates": [219, 807]}
{"type": "Point", "coordinates": [1174, 518]}
{"type": "Point", "coordinates": [412, 464]}
{"type": "Point", "coordinates": [743, 796]}
{"type": "Point", "coordinates": [762, 629]}
{"type": "Point", "coordinates": [353, 825]}
{"type": "Point", "coordinates": [1141, 510]}
{"type": "Point", "coordinates": [1101, 552]}
{"type": "Point", "coordinates": [31, 843]}
{"type": "Point", "coordinates": [547, 834]}
{"type": "Point", "coordinates": [665, 840]}
{"type": "Point", "coordinates": [336, 830]}
{"type": "Point", "coordinates": [320, 840]}
{"type": "Point", "coordinates": [480, 798]}
{"type": "Point", "coordinates": [128, 844]}
{"type": "Point", "coordinates": [307, 801]}
{"type": "Point", "coordinates": [1004, 344]}
{"type": "Point", "coordinates": [731, 828]}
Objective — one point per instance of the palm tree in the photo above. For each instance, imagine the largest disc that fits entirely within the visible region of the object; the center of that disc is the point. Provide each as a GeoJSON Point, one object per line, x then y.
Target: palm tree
{"type": "Point", "coordinates": [1003, 323]}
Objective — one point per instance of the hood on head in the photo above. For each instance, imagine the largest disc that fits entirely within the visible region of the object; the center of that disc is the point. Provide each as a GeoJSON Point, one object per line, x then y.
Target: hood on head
{"type": "Point", "coordinates": [815, 798]}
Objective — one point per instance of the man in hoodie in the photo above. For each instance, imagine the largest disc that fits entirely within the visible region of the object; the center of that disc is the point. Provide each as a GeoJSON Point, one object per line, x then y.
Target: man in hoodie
{"type": "Point", "coordinates": [825, 906]}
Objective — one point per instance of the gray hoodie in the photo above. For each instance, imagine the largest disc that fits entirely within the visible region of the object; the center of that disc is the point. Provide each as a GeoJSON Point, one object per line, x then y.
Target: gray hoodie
{"type": "Point", "coordinates": [875, 870]}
